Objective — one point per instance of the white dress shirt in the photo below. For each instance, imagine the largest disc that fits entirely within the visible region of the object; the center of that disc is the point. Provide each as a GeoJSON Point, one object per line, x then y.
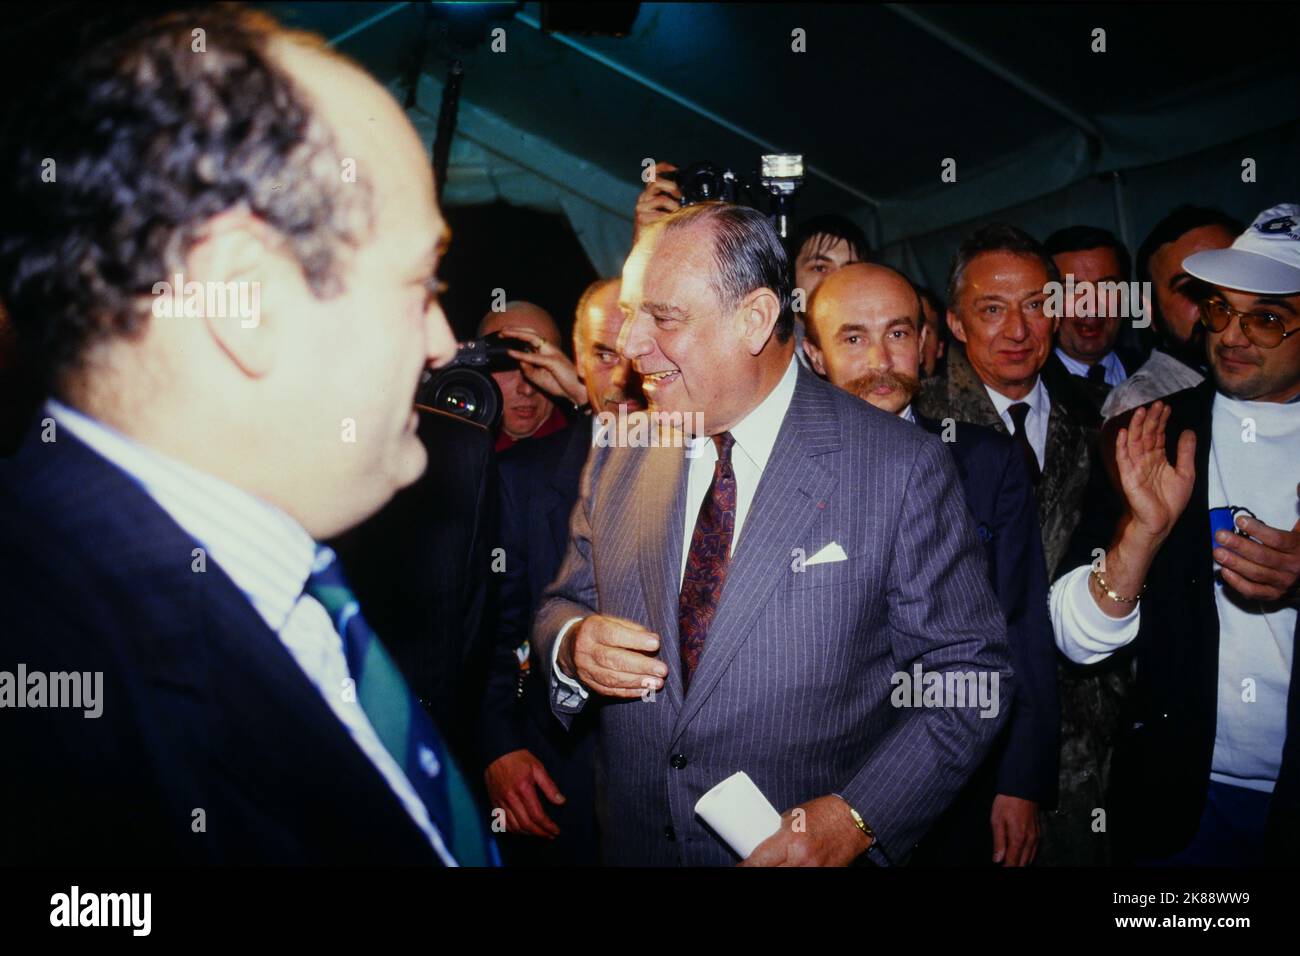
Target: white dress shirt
{"type": "Point", "coordinates": [269, 557]}
{"type": "Point", "coordinates": [1115, 373]}
{"type": "Point", "coordinates": [1253, 643]}
{"type": "Point", "coordinates": [755, 436]}
{"type": "Point", "coordinates": [1040, 409]}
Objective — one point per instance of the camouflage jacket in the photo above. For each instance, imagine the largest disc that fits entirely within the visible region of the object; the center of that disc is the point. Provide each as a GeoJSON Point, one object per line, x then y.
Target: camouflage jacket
{"type": "Point", "coordinates": [1092, 699]}
{"type": "Point", "coordinates": [962, 396]}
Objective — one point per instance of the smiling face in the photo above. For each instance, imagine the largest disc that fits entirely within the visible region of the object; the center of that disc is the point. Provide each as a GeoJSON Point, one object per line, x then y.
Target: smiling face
{"type": "Point", "coordinates": [694, 355]}
{"type": "Point", "coordinates": [999, 314]}
{"type": "Point", "coordinates": [865, 320]}
{"type": "Point", "coordinates": [1088, 334]}
{"type": "Point", "coordinates": [611, 382]}
{"type": "Point", "coordinates": [1246, 371]}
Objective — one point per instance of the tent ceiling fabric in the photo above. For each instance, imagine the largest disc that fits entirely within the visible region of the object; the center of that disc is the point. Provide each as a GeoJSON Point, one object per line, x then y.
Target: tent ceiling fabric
{"type": "Point", "coordinates": [883, 94]}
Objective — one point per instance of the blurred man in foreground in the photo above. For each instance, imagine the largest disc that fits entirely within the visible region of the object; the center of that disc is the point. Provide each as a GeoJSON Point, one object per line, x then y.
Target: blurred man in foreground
{"type": "Point", "coordinates": [162, 522]}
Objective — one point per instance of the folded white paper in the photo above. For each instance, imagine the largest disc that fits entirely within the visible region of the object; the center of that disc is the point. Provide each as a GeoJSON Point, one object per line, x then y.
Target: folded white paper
{"type": "Point", "coordinates": [828, 555]}
{"type": "Point", "coordinates": [739, 813]}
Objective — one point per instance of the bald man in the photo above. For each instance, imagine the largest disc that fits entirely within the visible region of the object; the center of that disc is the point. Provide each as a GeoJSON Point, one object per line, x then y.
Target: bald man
{"type": "Point", "coordinates": [159, 540]}
{"type": "Point", "coordinates": [866, 334]}
{"type": "Point", "coordinates": [544, 375]}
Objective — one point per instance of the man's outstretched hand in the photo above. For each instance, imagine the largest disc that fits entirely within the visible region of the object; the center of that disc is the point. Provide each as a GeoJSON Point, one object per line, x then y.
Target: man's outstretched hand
{"type": "Point", "coordinates": [612, 657]}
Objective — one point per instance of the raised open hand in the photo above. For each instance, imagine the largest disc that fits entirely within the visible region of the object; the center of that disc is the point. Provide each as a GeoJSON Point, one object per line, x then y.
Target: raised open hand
{"type": "Point", "coordinates": [1156, 491]}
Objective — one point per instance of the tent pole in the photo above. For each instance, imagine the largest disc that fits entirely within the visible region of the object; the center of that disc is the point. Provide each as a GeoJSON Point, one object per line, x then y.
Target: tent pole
{"type": "Point", "coordinates": [1121, 217]}
{"type": "Point", "coordinates": [366, 24]}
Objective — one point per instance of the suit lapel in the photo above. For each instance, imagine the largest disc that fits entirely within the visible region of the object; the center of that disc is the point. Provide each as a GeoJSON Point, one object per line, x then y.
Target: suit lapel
{"type": "Point", "coordinates": [794, 487]}
{"type": "Point", "coordinates": [661, 515]}
{"type": "Point", "coordinates": [968, 399]}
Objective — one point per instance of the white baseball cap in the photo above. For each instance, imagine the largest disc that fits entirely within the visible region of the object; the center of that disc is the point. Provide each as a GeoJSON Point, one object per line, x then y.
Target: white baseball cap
{"type": "Point", "coordinates": [1265, 259]}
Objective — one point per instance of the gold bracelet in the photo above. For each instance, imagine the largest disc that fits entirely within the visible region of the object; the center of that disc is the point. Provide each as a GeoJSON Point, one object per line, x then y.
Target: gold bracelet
{"type": "Point", "coordinates": [1117, 598]}
{"type": "Point", "coordinates": [861, 824]}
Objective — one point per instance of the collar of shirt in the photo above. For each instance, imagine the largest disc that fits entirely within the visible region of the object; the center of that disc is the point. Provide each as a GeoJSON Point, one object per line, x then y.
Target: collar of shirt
{"type": "Point", "coordinates": [755, 434]}
{"type": "Point", "coordinates": [1037, 399]}
{"type": "Point", "coordinates": [1110, 362]}
{"type": "Point", "coordinates": [908, 414]}
{"type": "Point", "coordinates": [267, 554]}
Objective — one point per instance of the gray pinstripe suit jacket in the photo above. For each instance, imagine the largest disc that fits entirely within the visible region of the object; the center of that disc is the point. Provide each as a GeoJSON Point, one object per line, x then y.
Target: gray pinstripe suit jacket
{"type": "Point", "coordinates": [794, 683]}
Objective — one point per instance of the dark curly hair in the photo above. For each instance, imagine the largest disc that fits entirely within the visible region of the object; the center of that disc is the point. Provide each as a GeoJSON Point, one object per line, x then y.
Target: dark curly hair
{"type": "Point", "coordinates": [150, 139]}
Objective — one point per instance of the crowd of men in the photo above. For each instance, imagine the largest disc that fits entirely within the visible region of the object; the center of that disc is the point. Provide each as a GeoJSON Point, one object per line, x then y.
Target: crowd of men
{"type": "Point", "coordinates": [321, 627]}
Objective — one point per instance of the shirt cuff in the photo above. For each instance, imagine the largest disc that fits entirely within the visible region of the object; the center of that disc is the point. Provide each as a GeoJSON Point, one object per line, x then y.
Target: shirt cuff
{"type": "Point", "coordinates": [562, 677]}
{"type": "Point", "coordinates": [1084, 632]}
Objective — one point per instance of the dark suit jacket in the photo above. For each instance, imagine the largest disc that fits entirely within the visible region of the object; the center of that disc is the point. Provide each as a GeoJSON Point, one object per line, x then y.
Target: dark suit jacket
{"type": "Point", "coordinates": [1001, 501]}
{"type": "Point", "coordinates": [1082, 393]}
{"type": "Point", "coordinates": [1092, 700]}
{"type": "Point", "coordinates": [203, 707]}
{"type": "Point", "coordinates": [539, 480]}
{"type": "Point", "coordinates": [795, 682]}
{"type": "Point", "coordinates": [420, 567]}
{"type": "Point", "coordinates": [1070, 433]}
{"type": "Point", "coordinates": [1163, 757]}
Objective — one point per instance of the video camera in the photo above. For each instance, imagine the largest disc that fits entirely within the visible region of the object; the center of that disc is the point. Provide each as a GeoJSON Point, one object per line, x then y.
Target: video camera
{"type": "Point", "coordinates": [779, 176]}
{"type": "Point", "coordinates": [464, 387]}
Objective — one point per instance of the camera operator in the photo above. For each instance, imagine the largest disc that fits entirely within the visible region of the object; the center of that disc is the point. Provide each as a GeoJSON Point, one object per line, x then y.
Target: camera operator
{"type": "Point", "coordinates": [540, 774]}
{"type": "Point", "coordinates": [527, 392]}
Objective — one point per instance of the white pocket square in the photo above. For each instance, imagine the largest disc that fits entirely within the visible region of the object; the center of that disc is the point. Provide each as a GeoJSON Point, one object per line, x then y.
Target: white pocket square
{"type": "Point", "coordinates": [827, 555]}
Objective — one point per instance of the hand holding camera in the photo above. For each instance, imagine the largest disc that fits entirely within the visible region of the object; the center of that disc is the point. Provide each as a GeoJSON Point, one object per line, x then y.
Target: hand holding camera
{"type": "Point", "coordinates": [547, 367]}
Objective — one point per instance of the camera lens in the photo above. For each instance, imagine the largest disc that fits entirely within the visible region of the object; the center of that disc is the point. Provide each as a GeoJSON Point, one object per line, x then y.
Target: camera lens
{"type": "Point", "coordinates": [467, 393]}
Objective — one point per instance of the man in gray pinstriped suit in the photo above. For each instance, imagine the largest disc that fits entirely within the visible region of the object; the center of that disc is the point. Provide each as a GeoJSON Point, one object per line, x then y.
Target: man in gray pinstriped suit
{"type": "Point", "coordinates": [847, 559]}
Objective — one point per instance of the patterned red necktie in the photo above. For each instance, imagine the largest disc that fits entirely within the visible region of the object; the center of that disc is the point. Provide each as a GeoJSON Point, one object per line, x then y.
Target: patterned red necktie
{"type": "Point", "coordinates": [706, 564]}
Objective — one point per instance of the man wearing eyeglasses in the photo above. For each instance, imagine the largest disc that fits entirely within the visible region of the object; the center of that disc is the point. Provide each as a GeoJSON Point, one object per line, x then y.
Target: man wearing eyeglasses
{"type": "Point", "coordinates": [1201, 577]}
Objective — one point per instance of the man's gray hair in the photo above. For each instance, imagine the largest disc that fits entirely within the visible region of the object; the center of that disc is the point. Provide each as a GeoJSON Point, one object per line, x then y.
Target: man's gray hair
{"type": "Point", "coordinates": [748, 253]}
{"type": "Point", "coordinates": [996, 237]}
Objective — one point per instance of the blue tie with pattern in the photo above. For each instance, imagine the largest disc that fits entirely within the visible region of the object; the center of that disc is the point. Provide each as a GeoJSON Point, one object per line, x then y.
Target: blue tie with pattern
{"type": "Point", "coordinates": [406, 730]}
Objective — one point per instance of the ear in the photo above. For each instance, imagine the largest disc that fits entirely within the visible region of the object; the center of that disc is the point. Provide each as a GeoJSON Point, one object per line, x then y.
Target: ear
{"type": "Point", "coordinates": [237, 261]}
{"type": "Point", "coordinates": [922, 339]}
{"type": "Point", "coordinates": [954, 323]}
{"type": "Point", "coordinates": [757, 317]}
{"type": "Point", "coordinates": [815, 356]}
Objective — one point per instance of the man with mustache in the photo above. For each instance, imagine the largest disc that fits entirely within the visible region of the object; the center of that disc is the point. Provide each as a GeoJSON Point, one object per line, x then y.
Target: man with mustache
{"type": "Point", "coordinates": [528, 754]}
{"type": "Point", "coordinates": [866, 334]}
{"type": "Point", "coordinates": [1206, 771]}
